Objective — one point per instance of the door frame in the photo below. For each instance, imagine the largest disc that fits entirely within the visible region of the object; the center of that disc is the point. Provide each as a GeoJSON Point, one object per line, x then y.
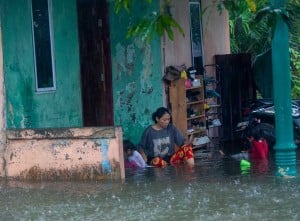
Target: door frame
{"type": "Point", "coordinates": [97, 107]}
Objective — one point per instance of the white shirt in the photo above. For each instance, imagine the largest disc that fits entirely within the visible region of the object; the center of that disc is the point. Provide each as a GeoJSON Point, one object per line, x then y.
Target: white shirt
{"type": "Point", "coordinates": [137, 157]}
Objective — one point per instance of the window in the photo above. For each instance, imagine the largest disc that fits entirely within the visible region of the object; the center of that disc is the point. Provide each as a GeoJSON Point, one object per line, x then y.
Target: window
{"type": "Point", "coordinates": [42, 42]}
{"type": "Point", "coordinates": [196, 35]}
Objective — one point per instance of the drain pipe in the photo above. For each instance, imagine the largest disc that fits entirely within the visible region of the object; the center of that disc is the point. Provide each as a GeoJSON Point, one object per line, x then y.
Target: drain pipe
{"type": "Point", "coordinates": [285, 148]}
{"type": "Point", "coordinates": [2, 112]}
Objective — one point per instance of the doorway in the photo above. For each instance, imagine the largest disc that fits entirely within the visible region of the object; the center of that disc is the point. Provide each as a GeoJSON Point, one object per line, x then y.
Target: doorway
{"type": "Point", "coordinates": [95, 62]}
{"type": "Point", "coordinates": [237, 89]}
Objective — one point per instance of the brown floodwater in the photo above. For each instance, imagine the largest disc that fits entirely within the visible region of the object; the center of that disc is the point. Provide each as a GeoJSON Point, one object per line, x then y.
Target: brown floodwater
{"type": "Point", "coordinates": [215, 189]}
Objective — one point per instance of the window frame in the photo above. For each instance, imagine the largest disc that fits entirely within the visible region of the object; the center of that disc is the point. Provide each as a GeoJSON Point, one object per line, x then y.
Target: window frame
{"type": "Point", "coordinates": [196, 2]}
{"type": "Point", "coordinates": [50, 20]}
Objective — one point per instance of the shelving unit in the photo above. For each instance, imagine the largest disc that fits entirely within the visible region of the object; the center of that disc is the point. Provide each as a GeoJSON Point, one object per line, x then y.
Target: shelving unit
{"type": "Point", "coordinates": [188, 113]}
{"type": "Point", "coordinates": [213, 100]}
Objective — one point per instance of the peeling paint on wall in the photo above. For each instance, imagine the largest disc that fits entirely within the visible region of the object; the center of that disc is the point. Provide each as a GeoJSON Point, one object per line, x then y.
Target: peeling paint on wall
{"type": "Point", "coordinates": [124, 63]}
{"type": "Point", "coordinates": [61, 144]}
{"type": "Point", "coordinates": [11, 116]}
{"type": "Point", "coordinates": [105, 165]}
{"type": "Point", "coordinates": [124, 60]}
{"type": "Point", "coordinates": [87, 153]}
{"type": "Point", "coordinates": [2, 109]}
{"type": "Point", "coordinates": [141, 89]}
{"type": "Point", "coordinates": [137, 73]}
{"type": "Point", "coordinates": [147, 60]}
{"type": "Point", "coordinates": [26, 108]}
{"type": "Point", "coordinates": [125, 97]}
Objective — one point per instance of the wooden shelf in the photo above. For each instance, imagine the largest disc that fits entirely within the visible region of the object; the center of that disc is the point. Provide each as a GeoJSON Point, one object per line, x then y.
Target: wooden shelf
{"type": "Point", "coordinates": [193, 88]}
{"type": "Point", "coordinates": [214, 105]}
{"type": "Point", "coordinates": [181, 99]}
{"type": "Point", "coordinates": [212, 126]}
{"type": "Point", "coordinates": [211, 114]}
{"type": "Point", "coordinates": [199, 146]}
{"type": "Point", "coordinates": [195, 102]}
{"type": "Point", "coordinates": [198, 131]}
{"type": "Point", "coordinates": [196, 117]}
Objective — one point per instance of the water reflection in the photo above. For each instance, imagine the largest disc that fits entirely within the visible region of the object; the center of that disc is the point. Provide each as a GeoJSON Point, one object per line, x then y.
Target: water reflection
{"type": "Point", "coordinates": [215, 190]}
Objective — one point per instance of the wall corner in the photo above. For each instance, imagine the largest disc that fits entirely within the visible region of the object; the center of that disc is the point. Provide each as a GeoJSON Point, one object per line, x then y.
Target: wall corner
{"type": "Point", "coordinates": [2, 110]}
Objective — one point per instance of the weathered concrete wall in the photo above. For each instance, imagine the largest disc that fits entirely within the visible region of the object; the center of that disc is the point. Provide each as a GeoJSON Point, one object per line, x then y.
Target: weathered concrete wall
{"type": "Point", "coordinates": [65, 154]}
{"type": "Point", "coordinates": [25, 107]}
{"type": "Point", "coordinates": [178, 52]}
{"type": "Point", "coordinates": [138, 68]}
{"type": "Point", "coordinates": [215, 35]}
{"type": "Point", "coordinates": [216, 39]}
{"type": "Point", "coordinates": [137, 75]}
{"type": "Point", "coordinates": [215, 30]}
{"type": "Point", "coordinates": [2, 109]}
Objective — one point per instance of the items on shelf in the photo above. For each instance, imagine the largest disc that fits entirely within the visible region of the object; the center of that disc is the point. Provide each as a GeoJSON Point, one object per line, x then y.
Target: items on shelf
{"type": "Point", "coordinates": [212, 93]}
{"type": "Point", "coordinates": [173, 73]}
{"type": "Point", "coordinates": [192, 96]}
{"type": "Point", "coordinates": [187, 101]}
{"type": "Point", "coordinates": [210, 80]}
{"type": "Point", "coordinates": [213, 110]}
{"type": "Point", "coordinates": [214, 122]}
{"type": "Point", "coordinates": [201, 140]}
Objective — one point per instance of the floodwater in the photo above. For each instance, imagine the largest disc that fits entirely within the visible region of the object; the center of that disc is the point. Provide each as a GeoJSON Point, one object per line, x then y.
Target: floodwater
{"type": "Point", "coordinates": [217, 189]}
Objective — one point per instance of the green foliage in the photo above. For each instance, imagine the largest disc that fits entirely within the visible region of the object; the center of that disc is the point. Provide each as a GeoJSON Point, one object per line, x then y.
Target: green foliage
{"type": "Point", "coordinates": [251, 31]}
{"type": "Point", "coordinates": [252, 24]}
{"type": "Point", "coordinates": [295, 70]}
{"type": "Point", "coordinates": [119, 4]}
{"type": "Point", "coordinates": [126, 4]}
{"type": "Point", "coordinates": [247, 35]}
{"type": "Point", "coordinates": [157, 22]}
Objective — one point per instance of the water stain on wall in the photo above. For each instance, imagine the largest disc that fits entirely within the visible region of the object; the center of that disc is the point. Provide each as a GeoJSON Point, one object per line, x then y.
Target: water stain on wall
{"type": "Point", "coordinates": [124, 60]}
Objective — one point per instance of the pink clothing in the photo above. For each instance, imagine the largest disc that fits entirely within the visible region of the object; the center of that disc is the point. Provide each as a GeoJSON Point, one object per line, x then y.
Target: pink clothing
{"type": "Point", "coordinates": [259, 150]}
{"type": "Point", "coordinates": [137, 159]}
{"type": "Point", "coordinates": [131, 164]}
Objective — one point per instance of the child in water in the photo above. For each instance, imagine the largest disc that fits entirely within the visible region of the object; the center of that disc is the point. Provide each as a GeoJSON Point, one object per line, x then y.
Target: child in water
{"type": "Point", "coordinates": [259, 147]}
{"type": "Point", "coordinates": [132, 158]}
{"type": "Point", "coordinates": [257, 153]}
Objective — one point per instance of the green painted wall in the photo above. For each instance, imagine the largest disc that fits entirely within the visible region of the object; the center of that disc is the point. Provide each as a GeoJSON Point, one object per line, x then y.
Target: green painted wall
{"type": "Point", "coordinates": [25, 107]}
{"type": "Point", "coordinates": [137, 84]}
{"type": "Point", "coordinates": [137, 74]}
